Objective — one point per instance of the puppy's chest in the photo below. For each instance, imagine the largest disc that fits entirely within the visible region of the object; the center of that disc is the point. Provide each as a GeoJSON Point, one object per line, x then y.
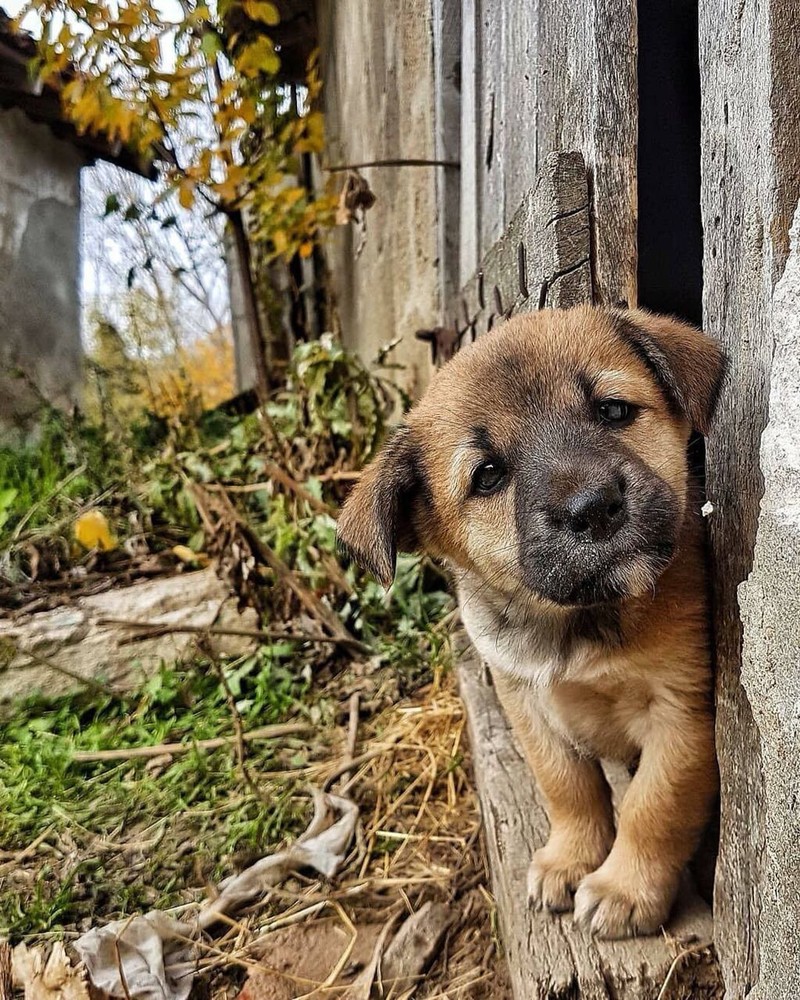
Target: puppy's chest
{"type": "Point", "coordinates": [607, 720]}
{"type": "Point", "coordinates": [577, 685]}
{"type": "Point", "coordinates": [538, 652]}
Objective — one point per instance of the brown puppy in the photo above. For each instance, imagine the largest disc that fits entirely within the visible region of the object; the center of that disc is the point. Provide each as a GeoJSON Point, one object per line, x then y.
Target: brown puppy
{"type": "Point", "coordinates": [547, 467]}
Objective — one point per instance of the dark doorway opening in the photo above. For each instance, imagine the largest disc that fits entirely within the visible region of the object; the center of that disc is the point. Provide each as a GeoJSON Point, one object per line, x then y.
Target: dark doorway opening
{"type": "Point", "coordinates": [670, 226]}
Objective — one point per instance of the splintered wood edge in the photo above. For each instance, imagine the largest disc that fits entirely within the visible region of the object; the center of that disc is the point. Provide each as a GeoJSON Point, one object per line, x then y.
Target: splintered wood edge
{"type": "Point", "coordinates": [546, 242]}
{"type": "Point", "coordinates": [548, 956]}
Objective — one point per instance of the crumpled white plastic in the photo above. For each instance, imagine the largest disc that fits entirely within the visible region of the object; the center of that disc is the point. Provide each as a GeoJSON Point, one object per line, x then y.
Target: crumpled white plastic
{"type": "Point", "coordinates": [139, 947]}
{"type": "Point", "coordinates": [149, 957]}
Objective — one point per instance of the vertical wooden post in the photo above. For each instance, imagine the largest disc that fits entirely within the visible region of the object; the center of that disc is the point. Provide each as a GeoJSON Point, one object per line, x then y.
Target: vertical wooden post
{"type": "Point", "coordinates": [447, 85]}
{"type": "Point", "coordinates": [259, 343]}
{"type": "Point", "coordinates": [469, 204]}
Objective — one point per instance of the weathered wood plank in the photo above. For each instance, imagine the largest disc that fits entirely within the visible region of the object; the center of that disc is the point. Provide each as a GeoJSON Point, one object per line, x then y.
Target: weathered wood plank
{"type": "Point", "coordinates": [556, 75]}
{"type": "Point", "coordinates": [469, 206]}
{"type": "Point", "coordinates": [749, 53]}
{"type": "Point", "coordinates": [542, 258]}
{"type": "Point", "coordinates": [610, 149]}
{"type": "Point", "coordinates": [447, 82]}
{"type": "Point", "coordinates": [520, 137]}
{"type": "Point", "coordinates": [548, 957]}
{"type": "Point", "coordinates": [493, 85]}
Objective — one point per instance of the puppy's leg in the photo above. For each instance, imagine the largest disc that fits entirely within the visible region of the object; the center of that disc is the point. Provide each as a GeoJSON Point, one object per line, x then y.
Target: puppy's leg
{"type": "Point", "coordinates": [578, 802]}
{"type": "Point", "coordinates": [661, 819]}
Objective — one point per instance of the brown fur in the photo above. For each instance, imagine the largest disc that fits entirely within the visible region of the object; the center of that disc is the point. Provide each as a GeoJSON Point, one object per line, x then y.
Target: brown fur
{"type": "Point", "coordinates": [622, 669]}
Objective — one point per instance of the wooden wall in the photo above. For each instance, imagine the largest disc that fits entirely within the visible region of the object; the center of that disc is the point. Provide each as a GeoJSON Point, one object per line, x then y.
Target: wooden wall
{"type": "Point", "coordinates": [543, 76]}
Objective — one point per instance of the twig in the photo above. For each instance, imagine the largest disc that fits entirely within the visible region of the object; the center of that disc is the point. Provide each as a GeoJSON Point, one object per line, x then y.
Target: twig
{"type": "Point", "coordinates": [46, 499]}
{"type": "Point", "coordinates": [165, 628]}
{"type": "Point", "coordinates": [329, 619]}
{"type": "Point", "coordinates": [26, 852]}
{"type": "Point", "coordinates": [286, 480]}
{"type": "Point", "coordinates": [6, 985]}
{"type": "Point", "coordinates": [343, 475]}
{"type": "Point", "coordinates": [159, 750]}
{"type": "Point", "coordinates": [236, 718]}
{"type": "Point", "coordinates": [307, 598]}
{"type": "Point", "coordinates": [120, 970]}
{"type": "Point", "coordinates": [352, 733]}
{"type": "Point", "coordinates": [676, 962]}
{"type": "Point", "coordinates": [350, 765]}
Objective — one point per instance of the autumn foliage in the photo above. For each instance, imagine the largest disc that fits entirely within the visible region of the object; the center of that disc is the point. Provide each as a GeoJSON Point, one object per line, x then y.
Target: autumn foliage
{"type": "Point", "coordinates": [196, 93]}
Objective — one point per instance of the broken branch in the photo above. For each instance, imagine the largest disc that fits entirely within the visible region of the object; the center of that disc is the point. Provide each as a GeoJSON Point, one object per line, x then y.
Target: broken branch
{"type": "Point", "coordinates": [161, 749]}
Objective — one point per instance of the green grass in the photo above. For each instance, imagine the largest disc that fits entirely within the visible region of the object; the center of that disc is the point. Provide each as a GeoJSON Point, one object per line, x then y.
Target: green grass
{"type": "Point", "coordinates": [138, 836]}
{"type": "Point", "coordinates": [114, 838]}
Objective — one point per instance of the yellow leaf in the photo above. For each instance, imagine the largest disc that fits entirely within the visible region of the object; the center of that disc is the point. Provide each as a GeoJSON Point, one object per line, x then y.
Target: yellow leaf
{"type": "Point", "coordinates": [92, 531]}
{"type": "Point", "coordinates": [187, 555]}
{"type": "Point", "coordinates": [280, 240]}
{"type": "Point", "coordinates": [306, 249]}
{"type": "Point", "coordinates": [186, 192]}
{"type": "Point", "coordinates": [258, 57]}
{"type": "Point", "coordinates": [262, 10]}
{"type": "Point", "coordinates": [292, 195]}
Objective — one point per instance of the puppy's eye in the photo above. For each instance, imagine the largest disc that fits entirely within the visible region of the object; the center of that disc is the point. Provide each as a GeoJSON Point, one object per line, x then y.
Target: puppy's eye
{"type": "Point", "coordinates": [616, 412]}
{"type": "Point", "coordinates": [488, 478]}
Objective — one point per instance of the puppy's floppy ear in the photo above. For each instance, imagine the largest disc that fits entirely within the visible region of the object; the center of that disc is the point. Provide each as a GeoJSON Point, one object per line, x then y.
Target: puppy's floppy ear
{"type": "Point", "coordinates": [688, 365]}
{"type": "Point", "coordinates": [376, 517]}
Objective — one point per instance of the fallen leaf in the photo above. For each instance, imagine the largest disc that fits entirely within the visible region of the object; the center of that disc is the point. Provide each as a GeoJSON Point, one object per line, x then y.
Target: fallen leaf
{"type": "Point", "coordinates": [93, 532]}
{"type": "Point", "coordinates": [51, 978]}
{"type": "Point", "coordinates": [187, 555]}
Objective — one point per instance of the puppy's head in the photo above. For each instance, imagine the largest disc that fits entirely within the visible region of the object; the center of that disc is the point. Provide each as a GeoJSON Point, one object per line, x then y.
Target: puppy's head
{"type": "Point", "coordinates": [548, 458]}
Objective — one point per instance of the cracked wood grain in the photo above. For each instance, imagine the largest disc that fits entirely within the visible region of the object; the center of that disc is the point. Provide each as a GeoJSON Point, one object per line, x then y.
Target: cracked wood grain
{"type": "Point", "coordinates": [563, 76]}
{"type": "Point", "coordinates": [534, 254]}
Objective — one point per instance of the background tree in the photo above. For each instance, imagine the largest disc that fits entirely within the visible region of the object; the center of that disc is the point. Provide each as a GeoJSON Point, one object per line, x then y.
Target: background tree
{"type": "Point", "coordinates": [195, 89]}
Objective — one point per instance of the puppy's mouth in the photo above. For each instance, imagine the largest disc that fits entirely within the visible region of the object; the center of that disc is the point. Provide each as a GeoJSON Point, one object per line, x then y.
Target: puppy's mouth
{"type": "Point", "coordinates": [628, 577]}
{"type": "Point", "coordinates": [587, 575]}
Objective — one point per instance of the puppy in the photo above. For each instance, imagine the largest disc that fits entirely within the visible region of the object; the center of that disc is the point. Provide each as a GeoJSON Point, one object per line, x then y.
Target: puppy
{"type": "Point", "coordinates": [546, 466]}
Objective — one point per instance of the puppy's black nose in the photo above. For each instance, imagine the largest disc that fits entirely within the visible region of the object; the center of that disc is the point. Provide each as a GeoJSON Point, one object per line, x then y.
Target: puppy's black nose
{"type": "Point", "coordinates": [596, 511]}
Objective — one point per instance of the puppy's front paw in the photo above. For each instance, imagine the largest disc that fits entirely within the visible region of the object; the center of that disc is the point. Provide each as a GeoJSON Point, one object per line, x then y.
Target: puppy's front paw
{"type": "Point", "coordinates": [553, 878]}
{"type": "Point", "coordinates": [615, 902]}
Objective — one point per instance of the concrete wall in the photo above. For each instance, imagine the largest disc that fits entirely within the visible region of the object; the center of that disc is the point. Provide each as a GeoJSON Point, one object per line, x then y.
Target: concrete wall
{"type": "Point", "coordinates": [39, 267]}
{"type": "Point", "coordinates": [378, 72]}
{"type": "Point", "coordinates": [750, 140]}
{"type": "Point", "coordinates": [770, 607]}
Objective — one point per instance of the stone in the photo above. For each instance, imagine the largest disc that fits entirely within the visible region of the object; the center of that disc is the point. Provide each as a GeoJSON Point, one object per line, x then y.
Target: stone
{"type": "Point", "coordinates": [770, 610]}
{"type": "Point", "coordinates": [82, 649]}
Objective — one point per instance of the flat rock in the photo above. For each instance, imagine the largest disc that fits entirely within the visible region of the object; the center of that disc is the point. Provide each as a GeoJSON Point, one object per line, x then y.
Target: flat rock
{"type": "Point", "coordinates": [77, 647]}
